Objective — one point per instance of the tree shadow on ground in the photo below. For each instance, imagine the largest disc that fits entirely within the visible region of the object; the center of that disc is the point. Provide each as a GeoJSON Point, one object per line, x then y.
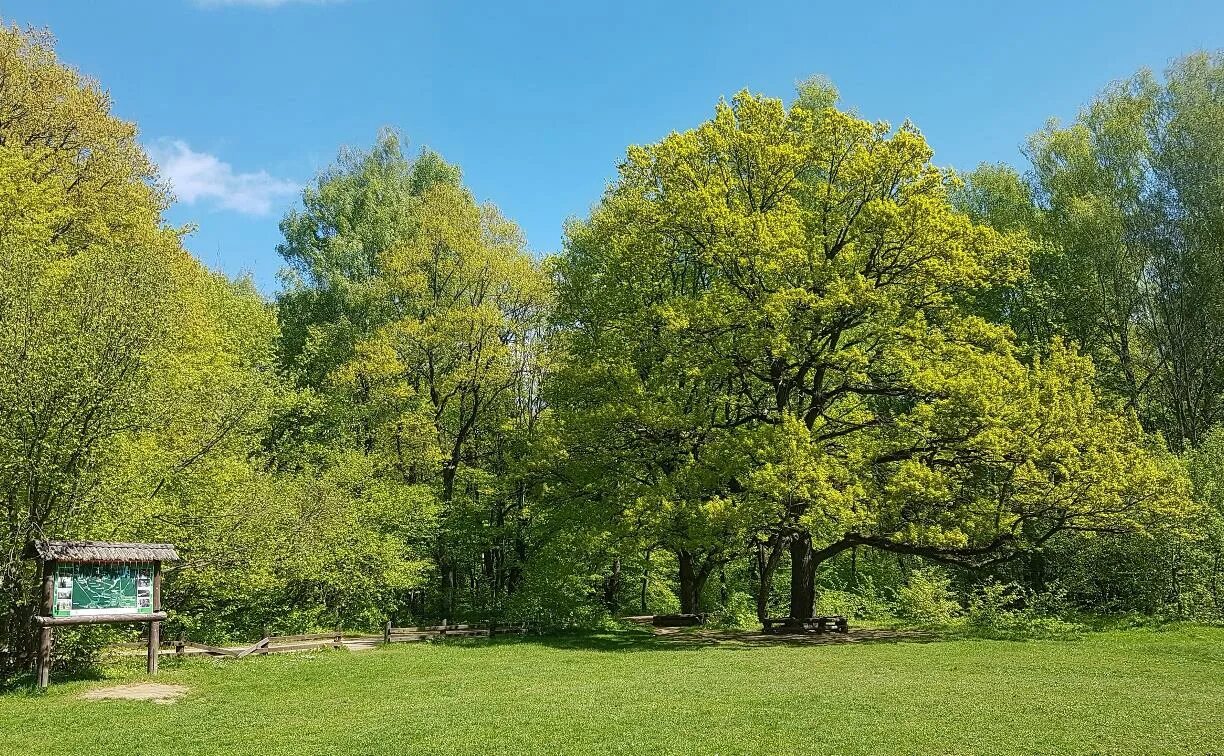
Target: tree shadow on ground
{"type": "Point", "coordinates": [24, 682]}
{"type": "Point", "coordinates": [681, 639]}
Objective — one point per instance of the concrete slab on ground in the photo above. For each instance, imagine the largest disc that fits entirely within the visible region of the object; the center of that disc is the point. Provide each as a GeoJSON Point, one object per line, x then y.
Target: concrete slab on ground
{"type": "Point", "coordinates": [147, 691]}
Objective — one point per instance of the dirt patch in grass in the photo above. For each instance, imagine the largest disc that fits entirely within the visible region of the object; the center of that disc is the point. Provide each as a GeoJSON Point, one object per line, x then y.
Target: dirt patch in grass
{"type": "Point", "coordinates": [156, 692]}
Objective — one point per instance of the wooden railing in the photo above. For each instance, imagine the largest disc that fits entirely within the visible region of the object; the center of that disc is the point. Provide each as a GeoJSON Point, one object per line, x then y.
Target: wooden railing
{"type": "Point", "coordinates": [392, 634]}
{"type": "Point", "coordinates": [270, 644]}
{"type": "Point", "coordinates": [273, 644]}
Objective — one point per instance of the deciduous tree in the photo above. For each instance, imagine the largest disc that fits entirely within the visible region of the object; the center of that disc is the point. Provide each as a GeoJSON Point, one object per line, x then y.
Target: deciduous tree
{"type": "Point", "coordinates": [815, 288]}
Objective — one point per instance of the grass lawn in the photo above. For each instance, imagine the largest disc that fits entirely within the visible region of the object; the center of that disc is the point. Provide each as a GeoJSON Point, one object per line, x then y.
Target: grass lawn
{"type": "Point", "coordinates": [1133, 691]}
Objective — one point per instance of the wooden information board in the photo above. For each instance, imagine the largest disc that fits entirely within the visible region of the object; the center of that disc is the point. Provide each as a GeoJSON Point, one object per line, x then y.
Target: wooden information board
{"type": "Point", "coordinates": [88, 582]}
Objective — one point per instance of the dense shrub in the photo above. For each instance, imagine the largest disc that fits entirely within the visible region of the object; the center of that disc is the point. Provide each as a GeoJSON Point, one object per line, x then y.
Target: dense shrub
{"type": "Point", "coordinates": [927, 597]}
{"type": "Point", "coordinates": [738, 612]}
{"type": "Point", "coordinates": [861, 603]}
{"type": "Point", "coordinates": [80, 650]}
{"type": "Point", "coordinates": [1008, 609]}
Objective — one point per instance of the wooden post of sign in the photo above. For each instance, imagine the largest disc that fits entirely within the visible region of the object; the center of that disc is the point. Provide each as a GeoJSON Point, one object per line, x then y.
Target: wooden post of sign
{"type": "Point", "coordinates": [44, 631]}
{"type": "Point", "coordinates": [155, 627]}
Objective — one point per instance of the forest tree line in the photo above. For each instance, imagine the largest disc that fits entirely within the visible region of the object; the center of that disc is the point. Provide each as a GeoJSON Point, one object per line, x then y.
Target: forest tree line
{"type": "Point", "coordinates": [787, 364]}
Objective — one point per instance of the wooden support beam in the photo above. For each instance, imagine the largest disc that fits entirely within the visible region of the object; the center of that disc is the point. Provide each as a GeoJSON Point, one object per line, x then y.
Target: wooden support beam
{"type": "Point", "coordinates": [98, 619]}
{"type": "Point", "coordinates": [260, 646]}
{"type": "Point", "coordinates": [211, 649]}
{"type": "Point", "coordinates": [155, 626]}
{"type": "Point", "coordinates": [275, 639]}
{"type": "Point", "coordinates": [303, 646]}
{"type": "Point", "coordinates": [43, 665]}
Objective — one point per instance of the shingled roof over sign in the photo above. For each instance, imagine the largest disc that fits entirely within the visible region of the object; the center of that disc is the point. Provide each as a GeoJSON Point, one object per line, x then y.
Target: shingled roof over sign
{"type": "Point", "coordinates": [101, 551]}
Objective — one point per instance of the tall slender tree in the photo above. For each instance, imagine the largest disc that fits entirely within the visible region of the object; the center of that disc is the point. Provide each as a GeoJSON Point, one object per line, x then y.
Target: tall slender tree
{"type": "Point", "coordinates": [122, 360]}
{"type": "Point", "coordinates": [417, 311]}
{"type": "Point", "coordinates": [1123, 204]}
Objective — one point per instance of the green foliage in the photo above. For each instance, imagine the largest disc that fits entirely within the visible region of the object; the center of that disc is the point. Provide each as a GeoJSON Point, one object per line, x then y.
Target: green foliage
{"type": "Point", "coordinates": [557, 591]}
{"type": "Point", "coordinates": [413, 314]}
{"type": "Point", "coordinates": [103, 318]}
{"type": "Point", "coordinates": [769, 329]}
{"type": "Point", "coordinates": [81, 650]}
{"type": "Point", "coordinates": [1009, 610]}
{"type": "Point", "coordinates": [738, 612]}
{"type": "Point", "coordinates": [927, 597]}
{"type": "Point", "coordinates": [1123, 204]}
{"type": "Point", "coordinates": [861, 603]}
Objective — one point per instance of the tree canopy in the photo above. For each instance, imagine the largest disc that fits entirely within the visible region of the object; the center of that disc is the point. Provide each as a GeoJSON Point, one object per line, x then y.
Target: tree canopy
{"type": "Point", "coordinates": [773, 307]}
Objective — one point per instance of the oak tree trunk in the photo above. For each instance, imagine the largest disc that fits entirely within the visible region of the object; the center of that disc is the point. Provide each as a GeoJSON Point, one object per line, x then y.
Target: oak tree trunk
{"type": "Point", "coordinates": [803, 577]}
{"type": "Point", "coordinates": [766, 566]}
{"type": "Point", "coordinates": [692, 581]}
{"type": "Point", "coordinates": [645, 581]}
{"type": "Point", "coordinates": [612, 587]}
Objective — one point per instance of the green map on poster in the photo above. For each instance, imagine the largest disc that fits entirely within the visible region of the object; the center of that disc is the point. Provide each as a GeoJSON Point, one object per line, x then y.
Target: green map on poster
{"type": "Point", "coordinates": [99, 588]}
{"type": "Point", "coordinates": [104, 587]}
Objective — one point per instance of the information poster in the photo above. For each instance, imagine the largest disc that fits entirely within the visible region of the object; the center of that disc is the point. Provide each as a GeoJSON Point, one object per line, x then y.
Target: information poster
{"type": "Point", "coordinates": [119, 588]}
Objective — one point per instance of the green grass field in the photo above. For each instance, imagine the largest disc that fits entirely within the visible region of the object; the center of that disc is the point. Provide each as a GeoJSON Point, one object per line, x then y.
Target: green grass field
{"type": "Point", "coordinates": [1134, 691]}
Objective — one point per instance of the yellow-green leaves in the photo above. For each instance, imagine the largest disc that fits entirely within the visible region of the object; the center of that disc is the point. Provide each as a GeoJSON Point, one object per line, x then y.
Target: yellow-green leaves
{"type": "Point", "coordinates": [775, 309]}
{"type": "Point", "coordinates": [416, 315]}
{"type": "Point", "coordinates": [134, 384]}
{"type": "Point", "coordinates": [463, 301]}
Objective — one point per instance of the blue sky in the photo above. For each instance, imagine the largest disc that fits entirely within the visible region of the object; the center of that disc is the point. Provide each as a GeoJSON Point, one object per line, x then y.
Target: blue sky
{"type": "Point", "coordinates": [243, 101]}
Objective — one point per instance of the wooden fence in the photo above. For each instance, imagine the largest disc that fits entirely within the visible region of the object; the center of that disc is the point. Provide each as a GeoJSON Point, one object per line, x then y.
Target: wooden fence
{"type": "Point", "coordinates": [392, 634]}
{"type": "Point", "coordinates": [274, 644]}
{"type": "Point", "coordinates": [270, 644]}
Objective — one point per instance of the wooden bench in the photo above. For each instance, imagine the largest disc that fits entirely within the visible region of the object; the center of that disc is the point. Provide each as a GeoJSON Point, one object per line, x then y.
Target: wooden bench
{"type": "Point", "coordinates": [826, 624]}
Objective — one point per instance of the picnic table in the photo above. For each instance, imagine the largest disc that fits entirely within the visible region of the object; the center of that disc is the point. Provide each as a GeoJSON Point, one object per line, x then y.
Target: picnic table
{"type": "Point", "coordinates": [825, 624]}
{"type": "Point", "coordinates": [678, 620]}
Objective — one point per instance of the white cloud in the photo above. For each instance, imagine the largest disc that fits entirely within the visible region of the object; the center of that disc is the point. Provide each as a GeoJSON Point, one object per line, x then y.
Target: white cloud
{"type": "Point", "coordinates": [201, 177]}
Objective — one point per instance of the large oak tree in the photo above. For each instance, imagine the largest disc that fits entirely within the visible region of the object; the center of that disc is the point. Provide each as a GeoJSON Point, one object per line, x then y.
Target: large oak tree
{"type": "Point", "coordinates": [781, 297]}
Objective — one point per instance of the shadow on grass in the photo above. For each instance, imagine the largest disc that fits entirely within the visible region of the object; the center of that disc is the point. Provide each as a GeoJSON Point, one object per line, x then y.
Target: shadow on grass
{"type": "Point", "coordinates": [24, 682]}
{"type": "Point", "coordinates": [682, 639]}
